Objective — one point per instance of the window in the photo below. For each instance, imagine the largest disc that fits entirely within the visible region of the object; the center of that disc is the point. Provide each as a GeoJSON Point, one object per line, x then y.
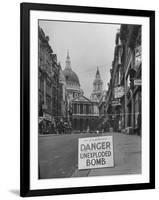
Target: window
{"type": "Point", "coordinates": [87, 109]}
{"type": "Point", "coordinates": [84, 109]}
{"type": "Point", "coordinates": [81, 109]}
{"type": "Point", "coordinates": [48, 102]}
{"type": "Point", "coordinates": [75, 108]}
{"type": "Point", "coordinates": [48, 89]}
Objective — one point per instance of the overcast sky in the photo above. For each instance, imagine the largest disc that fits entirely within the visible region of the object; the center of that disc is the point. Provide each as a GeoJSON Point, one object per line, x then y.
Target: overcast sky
{"type": "Point", "coordinates": [90, 46]}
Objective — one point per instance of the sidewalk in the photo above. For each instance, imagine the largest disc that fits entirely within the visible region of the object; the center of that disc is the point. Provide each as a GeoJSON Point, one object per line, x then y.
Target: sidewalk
{"type": "Point", "coordinates": [127, 157]}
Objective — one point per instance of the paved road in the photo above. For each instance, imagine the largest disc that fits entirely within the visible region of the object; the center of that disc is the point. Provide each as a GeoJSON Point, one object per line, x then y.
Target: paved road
{"type": "Point", "coordinates": [58, 156]}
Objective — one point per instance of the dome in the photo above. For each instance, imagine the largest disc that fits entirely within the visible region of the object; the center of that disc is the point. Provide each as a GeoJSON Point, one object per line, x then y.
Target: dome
{"type": "Point", "coordinates": [71, 77]}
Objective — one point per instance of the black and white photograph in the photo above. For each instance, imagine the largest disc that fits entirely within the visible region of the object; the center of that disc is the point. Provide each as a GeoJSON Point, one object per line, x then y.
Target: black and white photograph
{"type": "Point", "coordinates": [89, 99]}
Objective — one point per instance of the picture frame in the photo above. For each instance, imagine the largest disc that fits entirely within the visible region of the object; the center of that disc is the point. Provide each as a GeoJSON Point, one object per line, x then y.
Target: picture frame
{"type": "Point", "coordinates": [28, 15]}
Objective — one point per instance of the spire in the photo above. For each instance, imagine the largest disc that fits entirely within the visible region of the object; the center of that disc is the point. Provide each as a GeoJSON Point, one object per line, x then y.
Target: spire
{"type": "Point", "coordinates": [98, 74]}
{"type": "Point", "coordinates": [97, 83]}
{"type": "Point", "coordinates": [68, 61]}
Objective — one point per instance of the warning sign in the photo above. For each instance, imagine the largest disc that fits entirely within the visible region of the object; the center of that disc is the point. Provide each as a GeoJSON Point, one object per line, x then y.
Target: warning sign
{"type": "Point", "coordinates": [95, 152]}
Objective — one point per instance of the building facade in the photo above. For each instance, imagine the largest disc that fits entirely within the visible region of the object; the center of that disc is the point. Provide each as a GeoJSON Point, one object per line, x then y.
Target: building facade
{"type": "Point", "coordinates": [83, 112]}
{"type": "Point", "coordinates": [102, 112]}
{"type": "Point", "coordinates": [132, 64]}
{"type": "Point", "coordinates": [50, 88]}
{"type": "Point", "coordinates": [82, 115]}
{"type": "Point", "coordinates": [63, 97]}
{"type": "Point", "coordinates": [115, 90]}
{"type": "Point", "coordinates": [123, 101]}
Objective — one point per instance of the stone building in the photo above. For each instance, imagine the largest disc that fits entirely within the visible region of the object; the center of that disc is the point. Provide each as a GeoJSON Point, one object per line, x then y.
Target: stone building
{"type": "Point", "coordinates": [96, 96]}
{"type": "Point", "coordinates": [123, 102]}
{"type": "Point", "coordinates": [102, 112]}
{"type": "Point", "coordinates": [50, 89]}
{"type": "Point", "coordinates": [72, 81]}
{"type": "Point", "coordinates": [115, 90]}
{"type": "Point", "coordinates": [84, 119]}
{"type": "Point", "coordinates": [83, 112]}
{"type": "Point", "coordinates": [63, 97]}
{"type": "Point", "coordinates": [132, 63]}
{"type": "Point", "coordinates": [97, 87]}
{"type": "Point", "coordinates": [72, 86]}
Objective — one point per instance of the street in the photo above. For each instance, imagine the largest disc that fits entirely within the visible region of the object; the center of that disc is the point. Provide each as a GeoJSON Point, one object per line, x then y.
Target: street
{"type": "Point", "coordinates": [58, 156]}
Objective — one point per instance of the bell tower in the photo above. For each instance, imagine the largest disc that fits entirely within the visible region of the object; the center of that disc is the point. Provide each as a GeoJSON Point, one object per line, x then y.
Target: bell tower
{"type": "Point", "coordinates": [97, 87]}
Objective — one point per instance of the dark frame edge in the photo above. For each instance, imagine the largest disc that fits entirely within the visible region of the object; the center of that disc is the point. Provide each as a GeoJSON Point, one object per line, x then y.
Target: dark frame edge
{"type": "Point", "coordinates": [25, 96]}
{"type": "Point", "coordinates": [87, 9]}
{"type": "Point", "coordinates": [92, 189]}
{"type": "Point", "coordinates": [152, 98]}
{"type": "Point", "coordinates": [24, 101]}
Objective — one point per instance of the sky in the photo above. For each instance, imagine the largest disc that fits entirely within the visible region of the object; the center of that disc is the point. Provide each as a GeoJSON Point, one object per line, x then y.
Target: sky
{"type": "Point", "coordinates": [90, 45]}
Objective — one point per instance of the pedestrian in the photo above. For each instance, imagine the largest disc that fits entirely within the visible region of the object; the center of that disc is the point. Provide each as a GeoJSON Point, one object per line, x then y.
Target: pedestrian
{"type": "Point", "coordinates": [139, 124]}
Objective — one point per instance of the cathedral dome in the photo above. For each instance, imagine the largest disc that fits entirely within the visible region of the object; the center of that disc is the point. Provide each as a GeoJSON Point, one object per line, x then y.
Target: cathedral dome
{"type": "Point", "coordinates": [71, 77]}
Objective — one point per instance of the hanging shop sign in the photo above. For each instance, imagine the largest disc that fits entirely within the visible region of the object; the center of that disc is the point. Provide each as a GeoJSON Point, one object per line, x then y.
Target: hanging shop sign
{"type": "Point", "coordinates": [95, 152]}
{"type": "Point", "coordinates": [118, 92]}
{"type": "Point", "coordinates": [137, 82]}
{"type": "Point", "coordinates": [115, 102]}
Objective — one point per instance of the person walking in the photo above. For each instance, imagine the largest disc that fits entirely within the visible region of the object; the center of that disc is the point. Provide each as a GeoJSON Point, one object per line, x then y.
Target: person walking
{"type": "Point", "coordinates": [139, 124]}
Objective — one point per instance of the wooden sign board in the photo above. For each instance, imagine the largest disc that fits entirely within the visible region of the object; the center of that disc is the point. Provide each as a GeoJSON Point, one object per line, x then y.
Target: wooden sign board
{"type": "Point", "coordinates": [95, 152]}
